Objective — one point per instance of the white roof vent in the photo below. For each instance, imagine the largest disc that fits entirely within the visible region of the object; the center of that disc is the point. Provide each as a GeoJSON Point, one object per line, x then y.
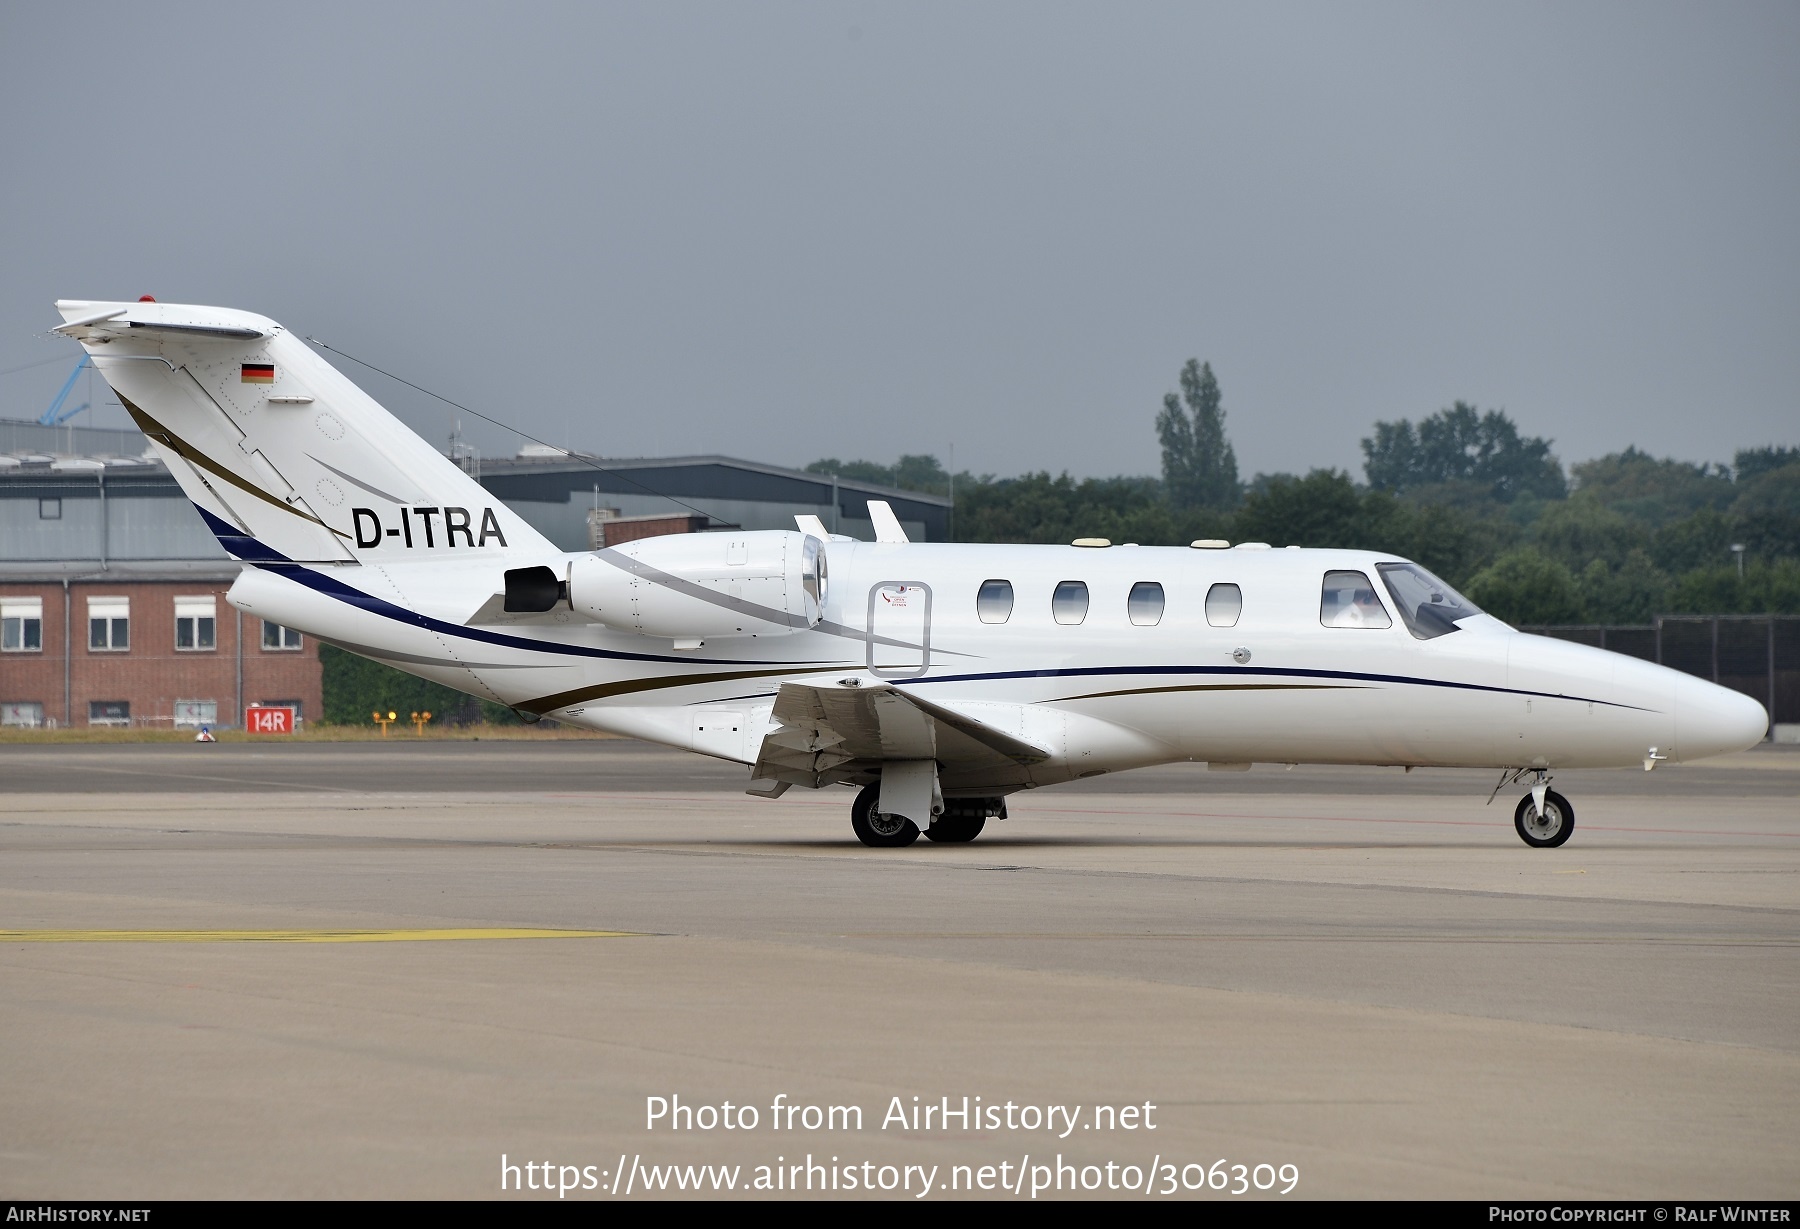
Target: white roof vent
{"type": "Point", "coordinates": [1210, 544]}
{"type": "Point", "coordinates": [1253, 546]}
{"type": "Point", "coordinates": [1091, 542]}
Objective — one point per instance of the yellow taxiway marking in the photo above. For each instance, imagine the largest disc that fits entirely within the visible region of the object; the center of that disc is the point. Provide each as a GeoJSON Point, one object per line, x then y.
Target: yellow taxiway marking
{"type": "Point", "coordinates": [298, 936]}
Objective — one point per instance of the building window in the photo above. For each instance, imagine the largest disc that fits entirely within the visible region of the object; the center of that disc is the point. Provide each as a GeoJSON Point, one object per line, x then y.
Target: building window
{"type": "Point", "coordinates": [1068, 605]}
{"type": "Point", "coordinates": [25, 713]}
{"type": "Point", "coordinates": [22, 624]}
{"type": "Point", "coordinates": [299, 709]}
{"type": "Point", "coordinates": [192, 713]}
{"type": "Point", "coordinates": [196, 623]}
{"type": "Point", "coordinates": [275, 636]}
{"type": "Point", "coordinates": [109, 712]}
{"type": "Point", "coordinates": [50, 509]}
{"type": "Point", "coordinates": [109, 624]}
{"type": "Point", "coordinates": [1145, 604]}
{"type": "Point", "coordinates": [994, 601]}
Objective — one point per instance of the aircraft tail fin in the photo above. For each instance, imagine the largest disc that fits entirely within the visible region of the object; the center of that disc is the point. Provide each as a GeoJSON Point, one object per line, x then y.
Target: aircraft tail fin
{"type": "Point", "coordinates": [285, 456]}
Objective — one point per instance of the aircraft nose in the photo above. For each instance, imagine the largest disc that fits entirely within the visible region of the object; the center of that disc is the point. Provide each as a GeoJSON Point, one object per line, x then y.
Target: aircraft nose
{"type": "Point", "coordinates": [1711, 720]}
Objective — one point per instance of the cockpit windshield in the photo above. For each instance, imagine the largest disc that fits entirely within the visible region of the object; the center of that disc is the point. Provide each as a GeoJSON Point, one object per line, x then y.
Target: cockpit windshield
{"type": "Point", "coordinates": [1428, 605]}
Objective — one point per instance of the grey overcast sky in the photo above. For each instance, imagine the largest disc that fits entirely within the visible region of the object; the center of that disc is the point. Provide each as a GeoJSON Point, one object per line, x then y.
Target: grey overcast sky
{"type": "Point", "coordinates": [788, 230]}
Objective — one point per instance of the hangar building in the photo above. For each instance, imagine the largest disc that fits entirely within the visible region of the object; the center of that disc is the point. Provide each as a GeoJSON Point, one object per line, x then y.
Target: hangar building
{"type": "Point", "coordinates": [112, 591]}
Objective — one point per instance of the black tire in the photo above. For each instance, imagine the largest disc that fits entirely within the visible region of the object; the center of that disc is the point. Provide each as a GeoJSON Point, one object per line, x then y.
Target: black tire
{"type": "Point", "coordinates": [956, 828]}
{"type": "Point", "coordinates": [1552, 829]}
{"type": "Point", "coordinates": [876, 830]}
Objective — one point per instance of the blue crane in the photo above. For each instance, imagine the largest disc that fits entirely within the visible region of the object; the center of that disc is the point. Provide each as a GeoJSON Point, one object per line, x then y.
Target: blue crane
{"type": "Point", "coordinates": [51, 417]}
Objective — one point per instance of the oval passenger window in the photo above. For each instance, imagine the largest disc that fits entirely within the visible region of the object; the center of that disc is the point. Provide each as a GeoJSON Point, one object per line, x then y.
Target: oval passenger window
{"type": "Point", "coordinates": [994, 601]}
{"type": "Point", "coordinates": [1145, 605]}
{"type": "Point", "coordinates": [1069, 604]}
{"type": "Point", "coordinates": [1224, 603]}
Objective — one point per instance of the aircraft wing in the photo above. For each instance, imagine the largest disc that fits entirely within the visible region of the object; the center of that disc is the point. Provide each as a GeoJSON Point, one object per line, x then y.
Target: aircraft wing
{"type": "Point", "coordinates": [831, 733]}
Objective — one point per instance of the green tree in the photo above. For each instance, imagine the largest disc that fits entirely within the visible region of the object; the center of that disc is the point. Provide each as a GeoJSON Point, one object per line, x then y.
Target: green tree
{"type": "Point", "coordinates": [1653, 491]}
{"type": "Point", "coordinates": [1700, 540]}
{"type": "Point", "coordinates": [1461, 444]}
{"type": "Point", "coordinates": [1773, 490]}
{"type": "Point", "coordinates": [356, 687]}
{"type": "Point", "coordinates": [1526, 587]}
{"type": "Point", "coordinates": [1765, 588]}
{"type": "Point", "coordinates": [1322, 509]}
{"type": "Point", "coordinates": [1199, 466]}
{"type": "Point", "coordinates": [1040, 508]}
{"type": "Point", "coordinates": [913, 472]}
{"type": "Point", "coordinates": [1326, 509]}
{"type": "Point", "coordinates": [1634, 592]}
{"type": "Point", "coordinates": [1754, 462]}
{"type": "Point", "coordinates": [1576, 532]}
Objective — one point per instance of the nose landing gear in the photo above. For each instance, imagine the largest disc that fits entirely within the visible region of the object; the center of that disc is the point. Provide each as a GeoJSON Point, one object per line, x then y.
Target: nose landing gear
{"type": "Point", "coordinates": [1544, 818]}
{"type": "Point", "coordinates": [1545, 825]}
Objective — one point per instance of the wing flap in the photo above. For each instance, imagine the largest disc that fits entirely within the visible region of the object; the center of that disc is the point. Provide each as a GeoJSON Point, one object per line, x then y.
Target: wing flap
{"type": "Point", "coordinates": [826, 734]}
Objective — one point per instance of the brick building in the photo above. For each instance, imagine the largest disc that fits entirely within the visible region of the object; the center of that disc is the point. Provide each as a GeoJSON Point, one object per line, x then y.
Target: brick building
{"type": "Point", "coordinates": [144, 650]}
{"type": "Point", "coordinates": [112, 590]}
{"type": "Point", "coordinates": [112, 596]}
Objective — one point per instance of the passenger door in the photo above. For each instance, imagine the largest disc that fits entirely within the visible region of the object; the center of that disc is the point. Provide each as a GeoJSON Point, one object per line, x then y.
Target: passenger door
{"type": "Point", "coordinates": [899, 629]}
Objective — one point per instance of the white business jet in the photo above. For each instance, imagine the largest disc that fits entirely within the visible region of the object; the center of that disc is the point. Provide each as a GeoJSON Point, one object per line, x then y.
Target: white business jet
{"type": "Point", "coordinates": [939, 678]}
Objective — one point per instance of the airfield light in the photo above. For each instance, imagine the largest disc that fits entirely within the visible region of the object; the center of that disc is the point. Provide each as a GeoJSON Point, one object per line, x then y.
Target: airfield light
{"type": "Point", "coordinates": [420, 720]}
{"type": "Point", "coordinates": [384, 722]}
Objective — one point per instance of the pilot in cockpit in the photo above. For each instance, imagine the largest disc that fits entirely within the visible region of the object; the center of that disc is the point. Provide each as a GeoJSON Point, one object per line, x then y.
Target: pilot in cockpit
{"type": "Point", "coordinates": [1359, 607]}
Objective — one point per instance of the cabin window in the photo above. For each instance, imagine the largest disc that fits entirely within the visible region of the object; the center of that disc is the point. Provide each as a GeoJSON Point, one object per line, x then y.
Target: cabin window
{"type": "Point", "coordinates": [994, 601]}
{"type": "Point", "coordinates": [1224, 603]}
{"type": "Point", "coordinates": [1145, 605]}
{"type": "Point", "coordinates": [1348, 600]}
{"type": "Point", "coordinates": [1069, 604]}
{"type": "Point", "coordinates": [1428, 606]}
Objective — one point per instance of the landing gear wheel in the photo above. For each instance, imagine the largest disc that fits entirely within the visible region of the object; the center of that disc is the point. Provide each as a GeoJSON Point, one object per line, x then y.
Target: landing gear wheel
{"type": "Point", "coordinates": [1548, 830]}
{"type": "Point", "coordinates": [956, 828]}
{"type": "Point", "coordinates": [876, 830]}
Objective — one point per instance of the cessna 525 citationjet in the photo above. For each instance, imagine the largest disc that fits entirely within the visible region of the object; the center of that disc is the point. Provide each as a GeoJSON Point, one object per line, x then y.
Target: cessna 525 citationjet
{"type": "Point", "coordinates": [938, 677]}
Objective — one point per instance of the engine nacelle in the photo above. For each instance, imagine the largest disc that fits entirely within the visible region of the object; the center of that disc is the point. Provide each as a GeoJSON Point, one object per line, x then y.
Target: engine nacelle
{"type": "Point", "coordinates": [692, 586]}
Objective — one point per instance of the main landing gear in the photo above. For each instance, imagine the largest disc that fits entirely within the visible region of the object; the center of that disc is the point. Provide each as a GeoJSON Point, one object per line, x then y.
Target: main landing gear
{"type": "Point", "coordinates": [962, 820]}
{"type": "Point", "coordinates": [1543, 817]}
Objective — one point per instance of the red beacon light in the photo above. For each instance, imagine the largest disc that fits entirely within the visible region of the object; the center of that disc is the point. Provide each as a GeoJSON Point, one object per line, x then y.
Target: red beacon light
{"type": "Point", "coordinates": [146, 298]}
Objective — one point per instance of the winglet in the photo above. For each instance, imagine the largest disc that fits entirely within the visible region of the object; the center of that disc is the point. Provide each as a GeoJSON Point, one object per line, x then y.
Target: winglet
{"type": "Point", "coordinates": [887, 525]}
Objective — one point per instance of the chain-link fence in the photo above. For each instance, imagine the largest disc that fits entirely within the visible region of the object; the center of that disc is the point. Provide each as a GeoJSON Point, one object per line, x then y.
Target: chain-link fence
{"type": "Point", "coordinates": [1758, 655]}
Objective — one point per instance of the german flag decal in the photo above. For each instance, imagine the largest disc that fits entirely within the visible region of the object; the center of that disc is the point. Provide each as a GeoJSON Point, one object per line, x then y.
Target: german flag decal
{"type": "Point", "coordinates": [259, 373]}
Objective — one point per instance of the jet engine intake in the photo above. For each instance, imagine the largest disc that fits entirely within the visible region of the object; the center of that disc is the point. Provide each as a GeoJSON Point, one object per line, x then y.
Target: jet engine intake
{"type": "Point", "coordinates": [697, 585]}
